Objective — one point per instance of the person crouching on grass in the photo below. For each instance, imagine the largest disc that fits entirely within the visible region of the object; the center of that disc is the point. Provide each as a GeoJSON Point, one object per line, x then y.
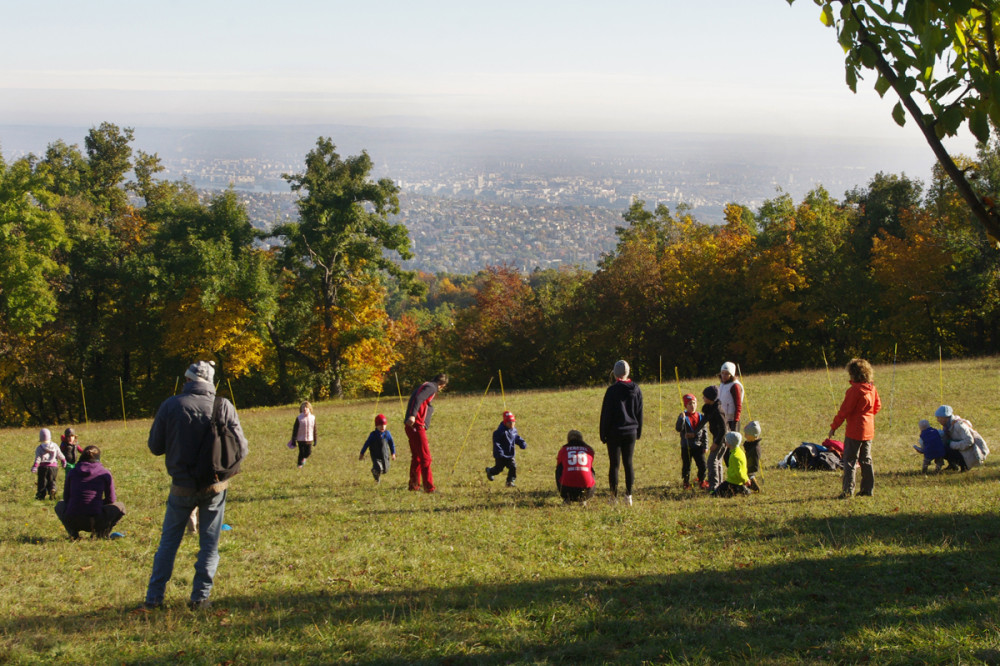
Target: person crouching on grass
{"type": "Point", "coordinates": [861, 404]}
{"type": "Point", "coordinates": [505, 438]}
{"type": "Point", "coordinates": [931, 445]}
{"type": "Point", "coordinates": [380, 446]}
{"type": "Point", "coordinates": [694, 441]}
{"type": "Point", "coordinates": [575, 469]}
{"type": "Point", "coordinates": [736, 469]}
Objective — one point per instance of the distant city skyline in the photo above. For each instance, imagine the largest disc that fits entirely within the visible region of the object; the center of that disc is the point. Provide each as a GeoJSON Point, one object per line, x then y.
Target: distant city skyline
{"type": "Point", "coordinates": [716, 66]}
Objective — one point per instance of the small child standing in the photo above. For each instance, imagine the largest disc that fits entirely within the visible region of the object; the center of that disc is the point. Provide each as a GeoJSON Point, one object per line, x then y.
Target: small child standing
{"type": "Point", "coordinates": [304, 432]}
{"type": "Point", "coordinates": [736, 470]}
{"type": "Point", "coordinates": [931, 445]}
{"type": "Point", "coordinates": [505, 437]}
{"type": "Point", "coordinates": [70, 448]}
{"type": "Point", "coordinates": [48, 458]}
{"type": "Point", "coordinates": [712, 417]}
{"type": "Point", "coordinates": [380, 447]}
{"type": "Point", "coordinates": [694, 441]}
{"type": "Point", "coordinates": [753, 448]}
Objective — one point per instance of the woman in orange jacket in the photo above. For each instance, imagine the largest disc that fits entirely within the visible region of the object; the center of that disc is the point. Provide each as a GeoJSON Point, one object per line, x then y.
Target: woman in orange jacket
{"type": "Point", "coordinates": [861, 404]}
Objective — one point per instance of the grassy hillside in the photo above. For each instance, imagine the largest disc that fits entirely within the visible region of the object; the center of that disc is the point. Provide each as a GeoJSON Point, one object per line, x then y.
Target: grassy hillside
{"type": "Point", "coordinates": [324, 566]}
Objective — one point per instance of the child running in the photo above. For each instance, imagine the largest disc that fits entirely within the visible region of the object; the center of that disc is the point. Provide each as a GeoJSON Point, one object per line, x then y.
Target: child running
{"type": "Point", "coordinates": [380, 447]}
{"type": "Point", "coordinates": [861, 404]}
{"type": "Point", "coordinates": [304, 432]}
{"type": "Point", "coordinates": [48, 458]}
{"type": "Point", "coordinates": [505, 438]}
{"type": "Point", "coordinates": [694, 441]}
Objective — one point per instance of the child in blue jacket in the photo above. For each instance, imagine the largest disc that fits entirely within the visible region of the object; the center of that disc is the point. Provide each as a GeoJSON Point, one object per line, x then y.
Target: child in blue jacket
{"type": "Point", "coordinates": [505, 438]}
{"type": "Point", "coordinates": [380, 446]}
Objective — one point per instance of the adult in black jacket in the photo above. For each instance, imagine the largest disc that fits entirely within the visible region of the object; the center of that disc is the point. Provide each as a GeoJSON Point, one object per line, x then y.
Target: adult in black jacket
{"type": "Point", "coordinates": [621, 426]}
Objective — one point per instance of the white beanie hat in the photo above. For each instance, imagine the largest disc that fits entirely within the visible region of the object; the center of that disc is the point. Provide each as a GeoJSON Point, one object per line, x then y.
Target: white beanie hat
{"type": "Point", "coordinates": [944, 411]}
{"type": "Point", "coordinates": [203, 370]}
{"type": "Point", "coordinates": [44, 435]}
{"type": "Point", "coordinates": [733, 438]}
{"type": "Point", "coordinates": [729, 367]}
{"type": "Point", "coordinates": [621, 369]}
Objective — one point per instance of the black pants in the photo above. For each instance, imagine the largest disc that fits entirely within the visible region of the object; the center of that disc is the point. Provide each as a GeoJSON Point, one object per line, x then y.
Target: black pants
{"type": "Point", "coordinates": [305, 450]}
{"type": "Point", "coordinates": [954, 458]}
{"type": "Point", "coordinates": [501, 464]}
{"type": "Point", "coordinates": [620, 449]}
{"type": "Point", "coordinates": [47, 480]}
{"type": "Point", "coordinates": [691, 452]}
{"type": "Point", "coordinates": [575, 494]}
{"type": "Point", "coordinates": [727, 489]}
{"type": "Point", "coordinates": [100, 525]}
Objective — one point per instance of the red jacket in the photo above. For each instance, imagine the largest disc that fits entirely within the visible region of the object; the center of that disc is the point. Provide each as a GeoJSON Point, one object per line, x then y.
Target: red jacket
{"type": "Point", "coordinates": [861, 404]}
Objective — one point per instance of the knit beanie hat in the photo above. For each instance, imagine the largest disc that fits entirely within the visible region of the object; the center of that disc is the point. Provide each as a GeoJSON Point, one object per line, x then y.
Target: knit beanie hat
{"type": "Point", "coordinates": [711, 394]}
{"type": "Point", "coordinates": [944, 411]}
{"type": "Point", "coordinates": [924, 424]}
{"type": "Point", "coordinates": [44, 435]}
{"type": "Point", "coordinates": [508, 417]}
{"type": "Point", "coordinates": [621, 369]}
{"type": "Point", "coordinates": [752, 430]}
{"type": "Point", "coordinates": [203, 370]}
{"type": "Point", "coordinates": [729, 367]}
{"type": "Point", "coordinates": [733, 439]}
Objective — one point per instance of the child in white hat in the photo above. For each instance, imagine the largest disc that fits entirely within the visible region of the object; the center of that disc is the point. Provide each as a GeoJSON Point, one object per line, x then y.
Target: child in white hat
{"type": "Point", "coordinates": [48, 459]}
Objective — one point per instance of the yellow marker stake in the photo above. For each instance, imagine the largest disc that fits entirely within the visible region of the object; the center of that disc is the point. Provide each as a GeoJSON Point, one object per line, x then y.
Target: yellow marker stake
{"type": "Point", "coordinates": [176, 382]}
{"type": "Point", "coordinates": [680, 393]}
{"type": "Point", "coordinates": [659, 400]}
{"type": "Point", "coordinates": [84, 398]}
{"type": "Point", "coordinates": [941, 373]}
{"type": "Point", "coordinates": [401, 408]}
{"type": "Point", "coordinates": [230, 385]}
{"type": "Point", "coordinates": [502, 394]}
{"type": "Point", "coordinates": [121, 390]}
{"type": "Point", "coordinates": [829, 381]}
{"type": "Point", "coordinates": [746, 403]}
{"type": "Point", "coordinates": [475, 416]}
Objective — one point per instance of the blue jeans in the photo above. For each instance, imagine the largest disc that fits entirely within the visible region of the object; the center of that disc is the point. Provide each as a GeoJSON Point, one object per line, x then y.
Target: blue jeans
{"type": "Point", "coordinates": [211, 514]}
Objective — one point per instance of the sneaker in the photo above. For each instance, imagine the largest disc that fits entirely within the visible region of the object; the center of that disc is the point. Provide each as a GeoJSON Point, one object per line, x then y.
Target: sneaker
{"type": "Point", "coordinates": [628, 500]}
{"type": "Point", "coordinates": [865, 494]}
{"type": "Point", "coordinates": [687, 486]}
{"type": "Point", "coordinates": [151, 605]}
{"type": "Point", "coordinates": [703, 485]}
{"type": "Point", "coordinates": [488, 475]}
{"type": "Point", "coordinates": [510, 484]}
{"type": "Point", "coordinates": [300, 465]}
{"type": "Point", "coordinates": [202, 605]}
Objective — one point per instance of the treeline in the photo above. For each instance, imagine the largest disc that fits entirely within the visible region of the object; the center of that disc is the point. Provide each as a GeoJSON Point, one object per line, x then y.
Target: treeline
{"type": "Point", "coordinates": [112, 281]}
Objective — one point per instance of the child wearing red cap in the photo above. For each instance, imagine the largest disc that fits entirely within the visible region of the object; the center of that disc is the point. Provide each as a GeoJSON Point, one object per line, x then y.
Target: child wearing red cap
{"type": "Point", "coordinates": [381, 448]}
{"type": "Point", "coordinates": [694, 441]}
{"type": "Point", "coordinates": [505, 438]}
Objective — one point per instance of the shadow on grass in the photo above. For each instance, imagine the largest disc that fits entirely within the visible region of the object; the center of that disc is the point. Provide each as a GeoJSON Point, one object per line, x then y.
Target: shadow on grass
{"type": "Point", "coordinates": [914, 607]}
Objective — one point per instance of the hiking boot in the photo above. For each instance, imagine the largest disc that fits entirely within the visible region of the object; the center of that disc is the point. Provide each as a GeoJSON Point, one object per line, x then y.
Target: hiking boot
{"type": "Point", "coordinates": [488, 475]}
{"type": "Point", "coordinates": [151, 605]}
{"type": "Point", "coordinates": [202, 605]}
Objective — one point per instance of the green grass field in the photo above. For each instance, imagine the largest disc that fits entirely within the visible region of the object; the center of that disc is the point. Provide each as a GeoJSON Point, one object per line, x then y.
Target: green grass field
{"type": "Point", "coordinates": [323, 566]}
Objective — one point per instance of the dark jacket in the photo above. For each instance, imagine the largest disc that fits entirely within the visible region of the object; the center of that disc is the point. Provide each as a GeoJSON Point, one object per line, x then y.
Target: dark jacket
{"type": "Point", "coordinates": [180, 427]}
{"type": "Point", "coordinates": [419, 406]}
{"type": "Point", "coordinates": [504, 440]}
{"type": "Point", "coordinates": [712, 418]}
{"type": "Point", "coordinates": [683, 426]}
{"type": "Point", "coordinates": [88, 488]}
{"type": "Point", "coordinates": [621, 412]}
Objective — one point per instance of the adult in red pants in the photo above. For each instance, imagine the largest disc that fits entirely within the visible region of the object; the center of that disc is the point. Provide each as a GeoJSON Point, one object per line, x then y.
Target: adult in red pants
{"type": "Point", "coordinates": [418, 419]}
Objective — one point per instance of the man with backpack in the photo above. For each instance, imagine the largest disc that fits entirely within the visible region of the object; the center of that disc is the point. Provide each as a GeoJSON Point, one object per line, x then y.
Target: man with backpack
{"type": "Point", "coordinates": [186, 431]}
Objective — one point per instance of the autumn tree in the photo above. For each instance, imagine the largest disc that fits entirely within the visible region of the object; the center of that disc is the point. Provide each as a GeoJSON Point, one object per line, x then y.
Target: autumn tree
{"type": "Point", "coordinates": [335, 260]}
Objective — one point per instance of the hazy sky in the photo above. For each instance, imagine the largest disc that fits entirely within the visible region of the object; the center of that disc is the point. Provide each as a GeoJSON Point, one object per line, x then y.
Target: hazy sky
{"type": "Point", "coordinates": [745, 66]}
